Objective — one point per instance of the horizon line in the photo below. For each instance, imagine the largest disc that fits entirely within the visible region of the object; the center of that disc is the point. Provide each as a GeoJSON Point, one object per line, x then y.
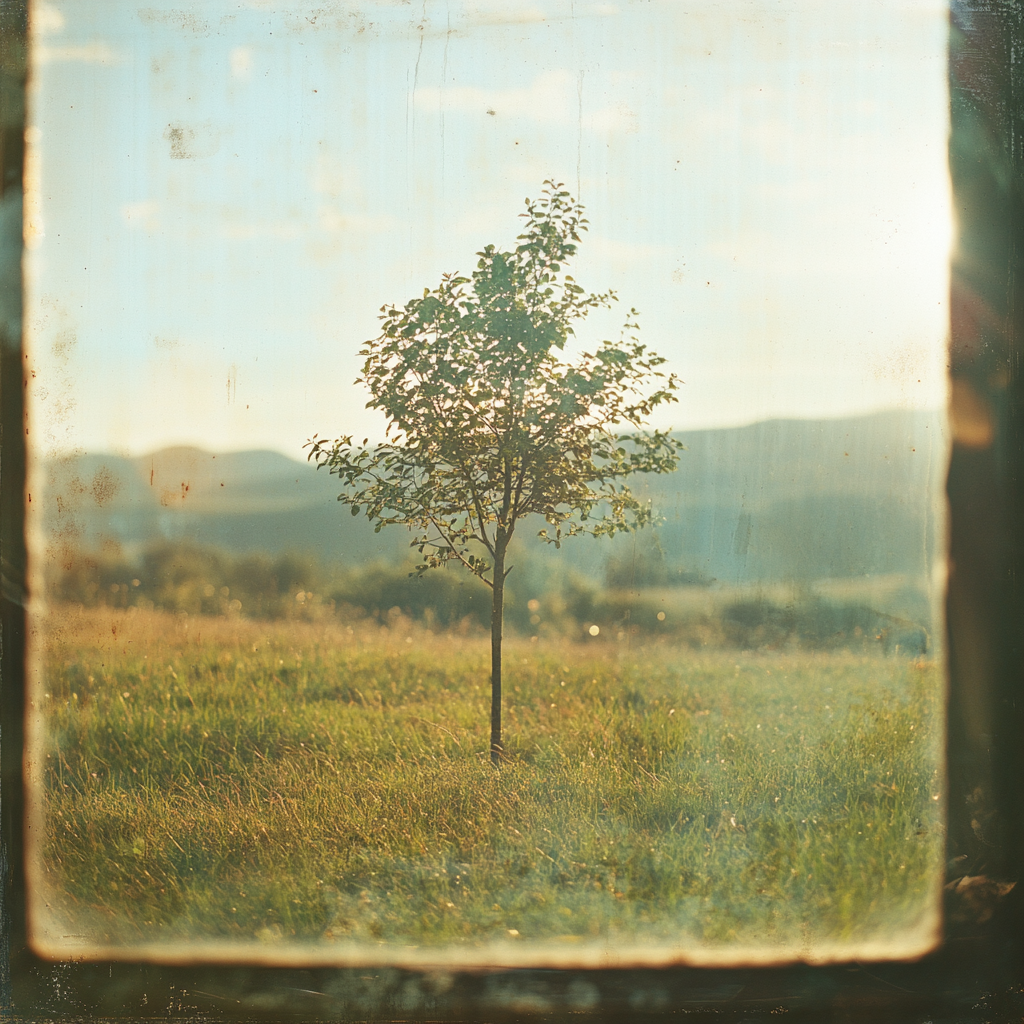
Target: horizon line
{"type": "Point", "coordinates": [191, 446]}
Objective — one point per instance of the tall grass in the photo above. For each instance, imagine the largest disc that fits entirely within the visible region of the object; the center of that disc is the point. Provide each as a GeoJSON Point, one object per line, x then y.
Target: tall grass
{"type": "Point", "coordinates": [285, 781]}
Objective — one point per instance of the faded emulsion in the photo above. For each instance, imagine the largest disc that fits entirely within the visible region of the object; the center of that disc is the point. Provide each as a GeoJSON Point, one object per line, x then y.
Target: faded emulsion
{"type": "Point", "coordinates": [715, 736]}
{"type": "Point", "coordinates": [274, 758]}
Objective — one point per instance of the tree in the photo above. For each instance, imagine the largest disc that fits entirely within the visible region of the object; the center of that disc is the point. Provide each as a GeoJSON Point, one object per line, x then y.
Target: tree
{"type": "Point", "coordinates": [488, 424]}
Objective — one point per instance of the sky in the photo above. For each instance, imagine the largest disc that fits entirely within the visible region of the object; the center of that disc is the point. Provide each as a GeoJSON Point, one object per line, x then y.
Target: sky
{"type": "Point", "coordinates": [221, 196]}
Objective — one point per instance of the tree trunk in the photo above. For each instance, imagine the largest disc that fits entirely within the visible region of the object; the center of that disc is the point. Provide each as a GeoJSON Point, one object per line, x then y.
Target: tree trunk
{"type": "Point", "coordinates": [497, 610]}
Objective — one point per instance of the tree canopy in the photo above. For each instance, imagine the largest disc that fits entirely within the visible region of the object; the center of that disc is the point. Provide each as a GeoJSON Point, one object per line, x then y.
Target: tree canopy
{"type": "Point", "coordinates": [488, 422]}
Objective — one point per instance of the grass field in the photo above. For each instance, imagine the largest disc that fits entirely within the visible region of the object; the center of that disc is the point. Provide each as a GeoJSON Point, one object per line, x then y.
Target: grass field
{"type": "Point", "coordinates": [289, 782]}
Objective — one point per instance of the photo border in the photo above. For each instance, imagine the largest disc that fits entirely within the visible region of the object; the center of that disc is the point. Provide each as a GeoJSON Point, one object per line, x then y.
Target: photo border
{"type": "Point", "coordinates": [978, 972]}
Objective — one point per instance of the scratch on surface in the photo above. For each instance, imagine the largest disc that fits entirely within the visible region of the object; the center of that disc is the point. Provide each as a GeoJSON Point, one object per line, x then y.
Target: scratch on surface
{"type": "Point", "coordinates": [444, 78]}
{"type": "Point", "coordinates": [579, 131]}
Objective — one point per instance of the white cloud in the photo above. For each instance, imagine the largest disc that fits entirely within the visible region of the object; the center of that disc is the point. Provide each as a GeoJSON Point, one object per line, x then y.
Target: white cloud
{"type": "Point", "coordinates": [625, 252]}
{"type": "Point", "coordinates": [908, 237]}
{"type": "Point", "coordinates": [96, 52]}
{"type": "Point", "coordinates": [240, 60]}
{"type": "Point", "coordinates": [144, 215]}
{"type": "Point", "coordinates": [44, 19]}
{"type": "Point", "coordinates": [283, 230]}
{"type": "Point", "coordinates": [499, 12]}
{"type": "Point", "coordinates": [335, 221]}
{"type": "Point", "coordinates": [551, 97]}
{"type": "Point", "coordinates": [332, 178]}
{"type": "Point", "coordinates": [619, 117]}
{"type": "Point", "coordinates": [327, 219]}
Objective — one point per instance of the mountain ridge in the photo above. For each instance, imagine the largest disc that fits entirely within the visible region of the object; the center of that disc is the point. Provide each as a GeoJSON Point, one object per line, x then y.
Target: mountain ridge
{"type": "Point", "coordinates": [782, 498]}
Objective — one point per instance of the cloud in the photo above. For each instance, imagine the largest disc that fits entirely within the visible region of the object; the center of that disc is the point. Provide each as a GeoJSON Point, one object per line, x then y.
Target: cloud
{"type": "Point", "coordinates": [489, 12]}
{"type": "Point", "coordinates": [551, 97]}
{"type": "Point", "coordinates": [44, 19]}
{"type": "Point", "coordinates": [332, 178]}
{"type": "Point", "coordinates": [626, 252]}
{"type": "Point", "coordinates": [333, 220]}
{"type": "Point", "coordinates": [240, 61]}
{"type": "Point", "coordinates": [180, 18]}
{"type": "Point", "coordinates": [908, 238]}
{"type": "Point", "coordinates": [142, 215]}
{"type": "Point", "coordinates": [328, 219]}
{"type": "Point", "coordinates": [619, 117]}
{"type": "Point", "coordinates": [500, 12]}
{"type": "Point", "coordinates": [96, 52]}
{"type": "Point", "coordinates": [283, 230]}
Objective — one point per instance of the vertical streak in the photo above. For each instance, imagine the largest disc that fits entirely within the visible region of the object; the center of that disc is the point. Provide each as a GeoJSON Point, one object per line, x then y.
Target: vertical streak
{"type": "Point", "coordinates": [579, 132]}
{"type": "Point", "coordinates": [419, 52]}
{"type": "Point", "coordinates": [579, 98]}
{"type": "Point", "coordinates": [410, 120]}
{"type": "Point", "coordinates": [444, 79]}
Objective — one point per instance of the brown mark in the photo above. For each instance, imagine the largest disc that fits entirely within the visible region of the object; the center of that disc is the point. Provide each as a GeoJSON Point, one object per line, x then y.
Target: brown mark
{"type": "Point", "coordinates": [104, 486]}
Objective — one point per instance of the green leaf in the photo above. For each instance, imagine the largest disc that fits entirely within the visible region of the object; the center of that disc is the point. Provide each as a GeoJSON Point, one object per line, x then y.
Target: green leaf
{"type": "Point", "coordinates": [487, 422]}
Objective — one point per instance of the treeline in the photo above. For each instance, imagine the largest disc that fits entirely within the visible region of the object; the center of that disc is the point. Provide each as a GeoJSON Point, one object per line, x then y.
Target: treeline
{"type": "Point", "coordinates": [638, 600]}
{"type": "Point", "coordinates": [198, 580]}
{"type": "Point", "coordinates": [183, 577]}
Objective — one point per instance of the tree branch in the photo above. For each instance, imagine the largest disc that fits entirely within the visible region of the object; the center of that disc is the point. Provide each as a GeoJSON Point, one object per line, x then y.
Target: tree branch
{"type": "Point", "coordinates": [458, 554]}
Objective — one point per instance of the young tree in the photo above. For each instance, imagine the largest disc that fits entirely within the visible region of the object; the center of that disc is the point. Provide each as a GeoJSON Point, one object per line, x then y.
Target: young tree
{"type": "Point", "coordinates": [488, 424]}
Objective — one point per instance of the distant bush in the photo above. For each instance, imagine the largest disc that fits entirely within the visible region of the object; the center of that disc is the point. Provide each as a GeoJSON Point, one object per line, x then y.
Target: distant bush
{"type": "Point", "coordinates": [540, 601]}
{"type": "Point", "coordinates": [186, 578]}
{"type": "Point", "coordinates": [443, 597]}
{"type": "Point", "coordinates": [646, 569]}
{"type": "Point", "coordinates": [815, 623]}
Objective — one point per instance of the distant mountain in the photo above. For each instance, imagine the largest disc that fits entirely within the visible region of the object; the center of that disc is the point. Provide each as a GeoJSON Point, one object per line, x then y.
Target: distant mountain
{"type": "Point", "coordinates": [798, 499]}
{"type": "Point", "coordinates": [779, 500]}
{"type": "Point", "coordinates": [238, 501]}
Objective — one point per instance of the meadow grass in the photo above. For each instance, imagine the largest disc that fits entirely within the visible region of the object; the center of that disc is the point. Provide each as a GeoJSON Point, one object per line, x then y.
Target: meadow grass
{"type": "Point", "coordinates": [210, 778]}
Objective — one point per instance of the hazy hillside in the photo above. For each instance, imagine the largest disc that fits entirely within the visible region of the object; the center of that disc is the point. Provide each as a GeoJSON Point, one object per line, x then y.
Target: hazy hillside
{"type": "Point", "coordinates": [806, 499]}
{"type": "Point", "coordinates": [786, 499]}
{"type": "Point", "coordinates": [239, 501]}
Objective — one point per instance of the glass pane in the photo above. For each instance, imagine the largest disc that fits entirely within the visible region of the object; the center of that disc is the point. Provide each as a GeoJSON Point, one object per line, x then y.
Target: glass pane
{"type": "Point", "coordinates": [260, 727]}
